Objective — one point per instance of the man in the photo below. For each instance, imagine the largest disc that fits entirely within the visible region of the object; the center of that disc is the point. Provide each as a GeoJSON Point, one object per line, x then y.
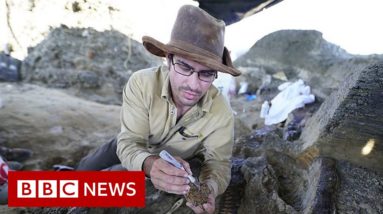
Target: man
{"type": "Point", "coordinates": [176, 108]}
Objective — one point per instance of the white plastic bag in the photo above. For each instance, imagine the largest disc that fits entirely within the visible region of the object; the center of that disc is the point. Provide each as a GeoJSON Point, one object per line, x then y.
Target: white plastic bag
{"type": "Point", "coordinates": [292, 96]}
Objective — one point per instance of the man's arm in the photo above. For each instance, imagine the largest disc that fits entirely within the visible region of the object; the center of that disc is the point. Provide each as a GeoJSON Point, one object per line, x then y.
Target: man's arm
{"type": "Point", "coordinates": [131, 144]}
{"type": "Point", "coordinates": [216, 168]}
{"type": "Point", "coordinates": [132, 140]}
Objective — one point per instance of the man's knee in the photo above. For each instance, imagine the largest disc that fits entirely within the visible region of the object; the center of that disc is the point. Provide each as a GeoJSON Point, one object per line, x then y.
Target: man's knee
{"type": "Point", "coordinates": [103, 157]}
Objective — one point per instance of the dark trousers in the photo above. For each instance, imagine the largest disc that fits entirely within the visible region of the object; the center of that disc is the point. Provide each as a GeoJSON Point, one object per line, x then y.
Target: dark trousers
{"type": "Point", "coordinates": [103, 158]}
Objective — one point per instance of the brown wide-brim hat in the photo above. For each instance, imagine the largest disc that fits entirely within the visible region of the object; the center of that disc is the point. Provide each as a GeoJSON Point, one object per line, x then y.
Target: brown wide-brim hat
{"type": "Point", "coordinates": [197, 36]}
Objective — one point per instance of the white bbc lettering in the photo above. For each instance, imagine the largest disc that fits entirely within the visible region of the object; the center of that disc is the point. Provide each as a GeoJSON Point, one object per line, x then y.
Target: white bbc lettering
{"type": "Point", "coordinates": [26, 189]}
{"type": "Point", "coordinates": [116, 188]}
{"type": "Point", "coordinates": [92, 190]}
{"type": "Point", "coordinates": [132, 189]}
{"type": "Point", "coordinates": [47, 188]}
{"type": "Point", "coordinates": [69, 189]}
{"type": "Point", "coordinates": [104, 188]}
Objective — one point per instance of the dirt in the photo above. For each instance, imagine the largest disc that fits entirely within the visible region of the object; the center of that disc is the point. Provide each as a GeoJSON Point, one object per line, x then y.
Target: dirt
{"type": "Point", "coordinates": [196, 196]}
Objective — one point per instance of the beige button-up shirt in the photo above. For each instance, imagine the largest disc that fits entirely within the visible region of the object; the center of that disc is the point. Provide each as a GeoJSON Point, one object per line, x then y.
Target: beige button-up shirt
{"type": "Point", "coordinates": [149, 125]}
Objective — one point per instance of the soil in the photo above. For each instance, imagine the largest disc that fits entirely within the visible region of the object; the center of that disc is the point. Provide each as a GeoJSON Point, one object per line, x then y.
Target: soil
{"type": "Point", "coordinates": [198, 196]}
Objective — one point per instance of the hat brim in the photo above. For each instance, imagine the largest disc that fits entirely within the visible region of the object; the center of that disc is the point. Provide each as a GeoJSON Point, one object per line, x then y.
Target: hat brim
{"type": "Point", "coordinates": [160, 49]}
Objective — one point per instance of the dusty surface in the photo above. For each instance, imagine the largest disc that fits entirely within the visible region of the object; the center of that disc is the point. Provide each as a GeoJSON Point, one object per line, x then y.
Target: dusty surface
{"type": "Point", "coordinates": [90, 64]}
{"type": "Point", "coordinates": [305, 55]}
{"type": "Point", "coordinates": [27, 23]}
{"type": "Point", "coordinates": [348, 124]}
{"type": "Point", "coordinates": [360, 189]}
{"type": "Point", "coordinates": [196, 196]}
{"type": "Point", "coordinates": [58, 128]}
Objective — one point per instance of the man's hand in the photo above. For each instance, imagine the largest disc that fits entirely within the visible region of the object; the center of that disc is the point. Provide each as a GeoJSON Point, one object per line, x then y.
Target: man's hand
{"type": "Point", "coordinates": [167, 177]}
{"type": "Point", "coordinates": [209, 207]}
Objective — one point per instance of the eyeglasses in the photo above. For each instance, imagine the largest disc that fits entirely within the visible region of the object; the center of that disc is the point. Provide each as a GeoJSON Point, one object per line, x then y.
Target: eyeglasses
{"type": "Point", "coordinates": [186, 70]}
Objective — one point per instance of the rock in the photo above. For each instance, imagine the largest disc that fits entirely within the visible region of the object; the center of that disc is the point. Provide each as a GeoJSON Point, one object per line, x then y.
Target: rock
{"type": "Point", "coordinates": [296, 120]}
{"type": "Point", "coordinates": [348, 125]}
{"type": "Point", "coordinates": [40, 17]}
{"type": "Point", "coordinates": [92, 65]}
{"type": "Point", "coordinates": [301, 48]}
{"type": "Point", "coordinates": [15, 154]}
{"type": "Point", "coordinates": [261, 192]}
{"type": "Point", "coordinates": [304, 54]}
{"type": "Point", "coordinates": [277, 182]}
{"type": "Point", "coordinates": [320, 196]}
{"type": "Point", "coordinates": [360, 189]}
{"type": "Point", "coordinates": [230, 200]}
{"type": "Point", "coordinates": [58, 128]}
{"type": "Point", "coordinates": [246, 115]}
{"type": "Point", "coordinates": [255, 74]}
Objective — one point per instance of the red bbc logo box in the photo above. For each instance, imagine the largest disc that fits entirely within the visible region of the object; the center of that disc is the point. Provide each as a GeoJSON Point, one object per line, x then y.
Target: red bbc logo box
{"type": "Point", "coordinates": [76, 189]}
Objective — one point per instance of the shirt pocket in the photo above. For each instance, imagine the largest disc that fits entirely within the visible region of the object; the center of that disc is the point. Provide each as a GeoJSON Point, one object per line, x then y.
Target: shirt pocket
{"type": "Point", "coordinates": [188, 134]}
{"type": "Point", "coordinates": [183, 143]}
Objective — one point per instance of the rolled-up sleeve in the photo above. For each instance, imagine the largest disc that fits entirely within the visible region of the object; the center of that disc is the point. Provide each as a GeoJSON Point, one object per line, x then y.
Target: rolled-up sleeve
{"type": "Point", "coordinates": [217, 151]}
{"type": "Point", "coordinates": [132, 140]}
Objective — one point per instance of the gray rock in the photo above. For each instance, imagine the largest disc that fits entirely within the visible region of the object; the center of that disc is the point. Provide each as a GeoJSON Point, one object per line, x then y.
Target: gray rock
{"type": "Point", "coordinates": [261, 192]}
{"type": "Point", "coordinates": [348, 126]}
{"type": "Point", "coordinates": [255, 74]}
{"type": "Point", "coordinates": [360, 189]}
{"type": "Point", "coordinates": [276, 181]}
{"type": "Point", "coordinates": [322, 179]}
{"type": "Point", "coordinates": [58, 128]}
{"type": "Point", "coordinates": [276, 184]}
{"type": "Point", "coordinates": [306, 55]}
{"type": "Point", "coordinates": [90, 64]}
{"type": "Point", "coordinates": [247, 116]}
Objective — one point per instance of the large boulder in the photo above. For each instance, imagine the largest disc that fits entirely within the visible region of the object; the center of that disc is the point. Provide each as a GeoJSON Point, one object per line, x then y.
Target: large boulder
{"type": "Point", "coordinates": [301, 54]}
{"type": "Point", "coordinates": [348, 126]}
{"type": "Point", "coordinates": [58, 128]}
{"type": "Point", "coordinates": [26, 23]}
{"type": "Point", "coordinates": [93, 65]}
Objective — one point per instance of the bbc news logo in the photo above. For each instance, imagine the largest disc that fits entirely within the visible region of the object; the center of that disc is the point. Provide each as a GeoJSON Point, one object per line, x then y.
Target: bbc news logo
{"type": "Point", "coordinates": [47, 189]}
{"type": "Point", "coordinates": [77, 188]}
{"type": "Point", "coordinates": [69, 189]}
